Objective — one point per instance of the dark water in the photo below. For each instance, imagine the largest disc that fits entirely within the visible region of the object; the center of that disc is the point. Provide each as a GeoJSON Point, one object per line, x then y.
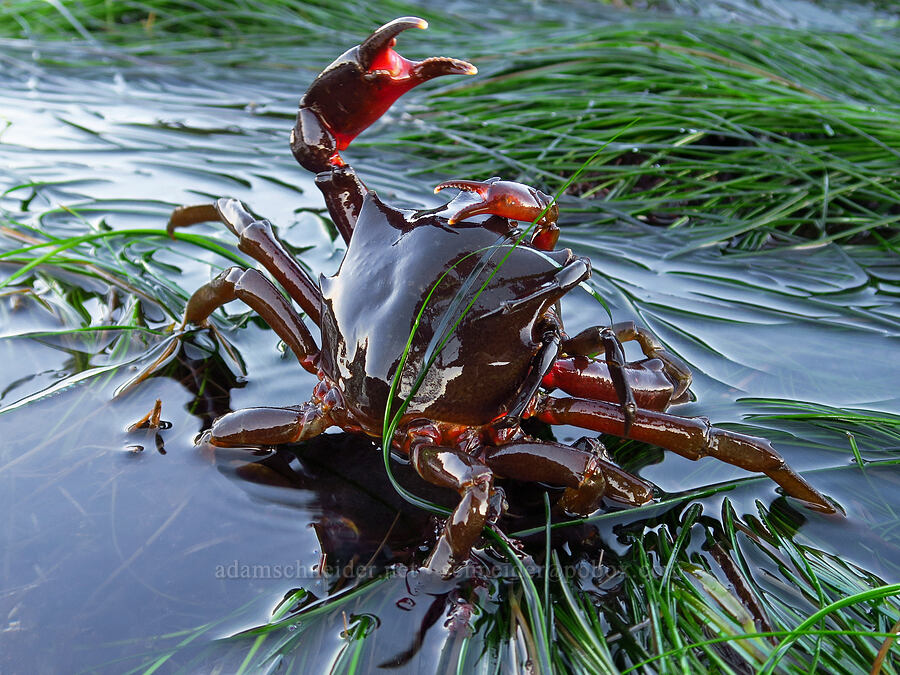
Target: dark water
{"type": "Point", "coordinates": [113, 558]}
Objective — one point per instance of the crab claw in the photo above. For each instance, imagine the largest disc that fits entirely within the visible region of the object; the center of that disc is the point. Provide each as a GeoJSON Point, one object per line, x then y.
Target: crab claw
{"type": "Point", "coordinates": [511, 200]}
{"type": "Point", "coordinates": [361, 84]}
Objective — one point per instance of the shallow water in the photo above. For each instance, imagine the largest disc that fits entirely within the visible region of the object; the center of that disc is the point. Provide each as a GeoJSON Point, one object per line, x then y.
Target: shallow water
{"type": "Point", "coordinates": [113, 557]}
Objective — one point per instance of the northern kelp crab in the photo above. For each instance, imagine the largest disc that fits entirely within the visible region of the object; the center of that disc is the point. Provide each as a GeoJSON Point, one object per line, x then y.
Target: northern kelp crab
{"type": "Point", "coordinates": [506, 353]}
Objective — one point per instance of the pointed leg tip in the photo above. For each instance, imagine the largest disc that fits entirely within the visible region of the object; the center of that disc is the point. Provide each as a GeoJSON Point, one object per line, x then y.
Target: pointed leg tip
{"type": "Point", "coordinates": [826, 508]}
{"type": "Point", "coordinates": [815, 500]}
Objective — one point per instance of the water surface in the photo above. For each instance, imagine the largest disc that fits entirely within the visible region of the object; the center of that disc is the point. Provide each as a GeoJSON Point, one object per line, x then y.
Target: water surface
{"type": "Point", "coordinates": [117, 547]}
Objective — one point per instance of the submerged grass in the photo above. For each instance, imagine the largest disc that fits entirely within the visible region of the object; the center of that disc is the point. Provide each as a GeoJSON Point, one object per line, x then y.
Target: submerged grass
{"type": "Point", "coordinates": [108, 291]}
{"type": "Point", "coordinates": [707, 609]}
{"type": "Point", "coordinates": [697, 592]}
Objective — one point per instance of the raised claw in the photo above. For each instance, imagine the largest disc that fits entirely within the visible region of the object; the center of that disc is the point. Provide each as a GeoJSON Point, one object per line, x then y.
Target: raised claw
{"type": "Point", "coordinates": [357, 88]}
{"type": "Point", "coordinates": [510, 200]}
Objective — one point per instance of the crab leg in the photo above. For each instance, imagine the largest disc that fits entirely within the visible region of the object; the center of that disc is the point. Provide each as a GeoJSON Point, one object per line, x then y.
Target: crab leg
{"type": "Point", "coordinates": [675, 368]}
{"type": "Point", "coordinates": [344, 194]}
{"type": "Point", "coordinates": [257, 240]}
{"type": "Point", "coordinates": [510, 200]}
{"type": "Point", "coordinates": [473, 480]}
{"type": "Point", "coordinates": [260, 294]}
{"type": "Point", "coordinates": [565, 278]}
{"type": "Point", "coordinates": [595, 339]}
{"type": "Point", "coordinates": [268, 426]}
{"type": "Point", "coordinates": [615, 361]}
{"type": "Point", "coordinates": [581, 469]}
{"type": "Point", "coordinates": [691, 437]}
{"type": "Point", "coordinates": [590, 378]}
{"type": "Point", "coordinates": [540, 365]}
{"type": "Point", "coordinates": [662, 379]}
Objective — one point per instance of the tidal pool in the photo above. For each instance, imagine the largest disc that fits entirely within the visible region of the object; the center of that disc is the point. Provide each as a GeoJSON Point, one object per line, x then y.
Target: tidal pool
{"type": "Point", "coordinates": [129, 550]}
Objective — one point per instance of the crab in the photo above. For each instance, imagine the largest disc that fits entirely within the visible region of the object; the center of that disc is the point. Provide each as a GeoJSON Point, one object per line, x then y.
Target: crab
{"type": "Point", "coordinates": [404, 273]}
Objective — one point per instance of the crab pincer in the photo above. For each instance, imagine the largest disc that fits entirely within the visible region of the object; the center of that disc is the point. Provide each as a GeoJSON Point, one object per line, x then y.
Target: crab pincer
{"type": "Point", "coordinates": [358, 88]}
{"type": "Point", "coordinates": [512, 200]}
